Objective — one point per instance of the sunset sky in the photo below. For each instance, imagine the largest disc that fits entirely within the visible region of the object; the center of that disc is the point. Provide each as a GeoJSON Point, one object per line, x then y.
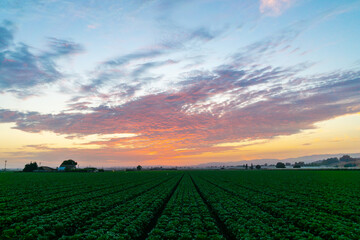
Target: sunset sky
{"type": "Point", "coordinates": [161, 82]}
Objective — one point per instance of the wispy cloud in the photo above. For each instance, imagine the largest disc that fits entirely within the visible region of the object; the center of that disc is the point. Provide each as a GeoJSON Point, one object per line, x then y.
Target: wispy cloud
{"type": "Point", "coordinates": [188, 119]}
{"type": "Point", "coordinates": [177, 42]}
{"type": "Point", "coordinates": [60, 48]}
{"type": "Point", "coordinates": [141, 54]}
{"type": "Point", "coordinates": [6, 35]}
{"type": "Point", "coordinates": [128, 67]}
{"type": "Point", "coordinates": [267, 47]}
{"type": "Point", "coordinates": [274, 7]}
{"type": "Point", "coordinates": [21, 69]}
{"type": "Point", "coordinates": [241, 100]}
{"type": "Point", "coordinates": [143, 68]}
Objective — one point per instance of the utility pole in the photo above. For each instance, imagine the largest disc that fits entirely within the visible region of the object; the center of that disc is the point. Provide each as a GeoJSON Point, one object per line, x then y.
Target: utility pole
{"type": "Point", "coordinates": [5, 166]}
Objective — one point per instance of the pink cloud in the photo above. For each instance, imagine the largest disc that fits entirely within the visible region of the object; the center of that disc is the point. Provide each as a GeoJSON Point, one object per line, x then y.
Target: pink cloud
{"type": "Point", "coordinates": [163, 122]}
{"type": "Point", "coordinates": [274, 7]}
{"type": "Point", "coordinates": [92, 26]}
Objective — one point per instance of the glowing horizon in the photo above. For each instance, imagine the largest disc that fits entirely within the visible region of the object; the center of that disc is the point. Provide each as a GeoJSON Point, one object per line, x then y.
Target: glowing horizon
{"type": "Point", "coordinates": [177, 83]}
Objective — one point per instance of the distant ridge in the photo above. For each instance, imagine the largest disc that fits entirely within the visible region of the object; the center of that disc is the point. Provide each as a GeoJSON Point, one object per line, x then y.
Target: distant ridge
{"type": "Point", "coordinates": [306, 159]}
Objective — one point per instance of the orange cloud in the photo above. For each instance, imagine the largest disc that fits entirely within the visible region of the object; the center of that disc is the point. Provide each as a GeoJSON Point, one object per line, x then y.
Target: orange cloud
{"type": "Point", "coordinates": [195, 118]}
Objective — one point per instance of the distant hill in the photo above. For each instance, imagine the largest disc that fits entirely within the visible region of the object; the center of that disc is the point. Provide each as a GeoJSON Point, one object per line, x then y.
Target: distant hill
{"type": "Point", "coordinates": [305, 159]}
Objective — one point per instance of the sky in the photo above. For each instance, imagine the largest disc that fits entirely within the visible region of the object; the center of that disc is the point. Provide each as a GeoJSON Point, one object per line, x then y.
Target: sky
{"type": "Point", "coordinates": [177, 83]}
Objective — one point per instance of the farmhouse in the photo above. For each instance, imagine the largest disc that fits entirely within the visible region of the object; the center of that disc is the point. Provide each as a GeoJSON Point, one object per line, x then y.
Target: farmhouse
{"type": "Point", "coordinates": [44, 169]}
{"type": "Point", "coordinates": [67, 167]}
{"type": "Point", "coordinates": [61, 169]}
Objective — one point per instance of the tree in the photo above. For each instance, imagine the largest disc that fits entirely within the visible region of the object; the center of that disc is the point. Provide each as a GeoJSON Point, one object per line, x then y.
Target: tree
{"type": "Point", "coordinates": [69, 162]}
{"type": "Point", "coordinates": [258, 167]}
{"type": "Point", "coordinates": [30, 167]}
{"type": "Point", "coordinates": [251, 166]}
{"type": "Point", "coordinates": [301, 164]}
{"type": "Point", "coordinates": [330, 161]}
{"type": "Point", "coordinates": [69, 165]}
{"type": "Point", "coordinates": [346, 158]}
{"type": "Point", "coordinates": [280, 165]}
{"type": "Point", "coordinates": [246, 166]}
{"type": "Point", "coordinates": [350, 165]}
{"type": "Point", "coordinates": [139, 168]}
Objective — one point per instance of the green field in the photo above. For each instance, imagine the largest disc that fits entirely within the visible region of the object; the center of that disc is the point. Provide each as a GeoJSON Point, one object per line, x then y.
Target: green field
{"type": "Point", "coordinates": [181, 205]}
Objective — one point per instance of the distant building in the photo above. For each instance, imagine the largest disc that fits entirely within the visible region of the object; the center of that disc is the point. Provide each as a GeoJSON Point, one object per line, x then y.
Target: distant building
{"type": "Point", "coordinates": [90, 169]}
{"type": "Point", "coordinates": [130, 169]}
{"type": "Point", "coordinates": [61, 169]}
{"type": "Point", "coordinates": [161, 168]}
{"type": "Point", "coordinates": [67, 167]}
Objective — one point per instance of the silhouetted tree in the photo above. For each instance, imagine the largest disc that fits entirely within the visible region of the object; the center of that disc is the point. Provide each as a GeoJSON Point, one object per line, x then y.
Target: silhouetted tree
{"type": "Point", "coordinates": [330, 161]}
{"type": "Point", "coordinates": [350, 165]}
{"type": "Point", "coordinates": [251, 166]}
{"type": "Point", "coordinates": [139, 168]}
{"type": "Point", "coordinates": [246, 166]}
{"type": "Point", "coordinates": [69, 162]}
{"type": "Point", "coordinates": [301, 164]}
{"type": "Point", "coordinates": [346, 158]}
{"type": "Point", "coordinates": [70, 165]}
{"type": "Point", "coordinates": [280, 165]}
{"type": "Point", "coordinates": [30, 167]}
{"type": "Point", "coordinates": [258, 167]}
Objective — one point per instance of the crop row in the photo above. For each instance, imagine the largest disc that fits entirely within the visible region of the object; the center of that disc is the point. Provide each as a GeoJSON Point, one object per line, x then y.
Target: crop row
{"type": "Point", "coordinates": [66, 219]}
{"type": "Point", "coordinates": [29, 187]}
{"type": "Point", "coordinates": [329, 192]}
{"type": "Point", "coordinates": [24, 213]}
{"type": "Point", "coordinates": [309, 219]}
{"type": "Point", "coordinates": [340, 206]}
{"type": "Point", "coordinates": [44, 183]}
{"type": "Point", "coordinates": [186, 216]}
{"type": "Point", "coordinates": [244, 220]}
{"type": "Point", "coordinates": [131, 219]}
{"type": "Point", "coordinates": [29, 203]}
{"type": "Point", "coordinates": [177, 205]}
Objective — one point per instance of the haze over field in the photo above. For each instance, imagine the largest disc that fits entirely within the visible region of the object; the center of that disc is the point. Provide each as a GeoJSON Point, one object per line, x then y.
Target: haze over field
{"type": "Point", "coordinates": [120, 83]}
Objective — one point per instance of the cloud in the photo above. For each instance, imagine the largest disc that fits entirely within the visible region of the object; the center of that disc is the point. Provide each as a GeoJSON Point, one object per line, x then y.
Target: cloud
{"type": "Point", "coordinates": [20, 69]}
{"type": "Point", "coordinates": [6, 35]}
{"type": "Point", "coordinates": [7, 116]}
{"type": "Point", "coordinates": [92, 26]}
{"type": "Point", "coordinates": [128, 67]}
{"type": "Point", "coordinates": [60, 48]}
{"type": "Point", "coordinates": [274, 7]}
{"type": "Point", "coordinates": [143, 68]}
{"type": "Point", "coordinates": [177, 42]}
{"type": "Point", "coordinates": [241, 100]}
{"type": "Point", "coordinates": [142, 54]}
{"type": "Point", "coordinates": [223, 106]}
{"type": "Point", "coordinates": [267, 47]}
